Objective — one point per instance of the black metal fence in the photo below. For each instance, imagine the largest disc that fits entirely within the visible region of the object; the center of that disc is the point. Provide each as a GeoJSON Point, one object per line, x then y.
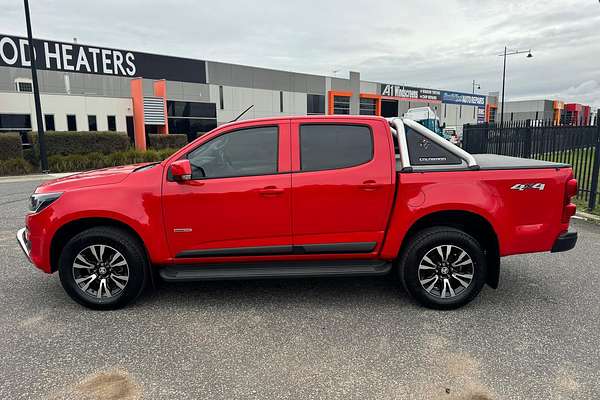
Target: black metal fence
{"type": "Point", "coordinates": [544, 140]}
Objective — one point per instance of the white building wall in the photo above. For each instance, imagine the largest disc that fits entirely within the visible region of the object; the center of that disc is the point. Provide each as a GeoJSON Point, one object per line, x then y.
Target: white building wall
{"type": "Point", "coordinates": [266, 103]}
{"type": "Point", "coordinates": [61, 105]}
{"type": "Point", "coordinates": [455, 115]}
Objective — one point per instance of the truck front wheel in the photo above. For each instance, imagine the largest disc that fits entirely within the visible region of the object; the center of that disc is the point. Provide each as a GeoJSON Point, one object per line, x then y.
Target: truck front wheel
{"type": "Point", "coordinates": [103, 268]}
{"type": "Point", "coordinates": [443, 267]}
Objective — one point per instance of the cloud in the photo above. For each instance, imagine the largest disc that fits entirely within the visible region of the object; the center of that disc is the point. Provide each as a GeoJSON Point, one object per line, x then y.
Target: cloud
{"type": "Point", "coordinates": [435, 43]}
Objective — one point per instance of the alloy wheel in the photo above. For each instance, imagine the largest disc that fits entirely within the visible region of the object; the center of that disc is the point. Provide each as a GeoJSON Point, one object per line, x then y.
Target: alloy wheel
{"type": "Point", "coordinates": [100, 271]}
{"type": "Point", "coordinates": [446, 271]}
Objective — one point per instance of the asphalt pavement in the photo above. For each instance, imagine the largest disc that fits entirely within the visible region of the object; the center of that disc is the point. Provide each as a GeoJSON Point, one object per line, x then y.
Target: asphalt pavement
{"type": "Point", "coordinates": [536, 337]}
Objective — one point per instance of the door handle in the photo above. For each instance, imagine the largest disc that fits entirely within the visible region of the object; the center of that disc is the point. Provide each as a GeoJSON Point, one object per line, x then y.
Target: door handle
{"type": "Point", "coordinates": [271, 191]}
{"type": "Point", "coordinates": [370, 186]}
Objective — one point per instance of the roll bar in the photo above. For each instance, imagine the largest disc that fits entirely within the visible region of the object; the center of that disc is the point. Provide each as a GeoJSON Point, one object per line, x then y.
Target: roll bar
{"type": "Point", "coordinates": [398, 125]}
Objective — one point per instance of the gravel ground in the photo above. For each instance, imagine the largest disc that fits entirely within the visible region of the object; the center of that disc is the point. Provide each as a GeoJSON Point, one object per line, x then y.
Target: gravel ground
{"type": "Point", "coordinates": [537, 336]}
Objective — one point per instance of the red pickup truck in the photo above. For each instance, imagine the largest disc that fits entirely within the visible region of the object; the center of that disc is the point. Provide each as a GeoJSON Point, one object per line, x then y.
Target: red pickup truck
{"type": "Point", "coordinates": [301, 196]}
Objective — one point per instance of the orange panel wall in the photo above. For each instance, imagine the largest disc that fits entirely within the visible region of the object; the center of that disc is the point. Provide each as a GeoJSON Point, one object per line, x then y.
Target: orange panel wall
{"type": "Point", "coordinates": [137, 98]}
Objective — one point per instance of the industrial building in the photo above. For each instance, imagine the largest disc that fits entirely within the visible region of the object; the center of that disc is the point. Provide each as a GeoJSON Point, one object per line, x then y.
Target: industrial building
{"type": "Point", "coordinates": [93, 88]}
{"type": "Point", "coordinates": [540, 110]}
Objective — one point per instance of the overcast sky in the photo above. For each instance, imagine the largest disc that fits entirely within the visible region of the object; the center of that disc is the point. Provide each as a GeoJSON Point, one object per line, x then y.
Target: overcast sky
{"type": "Point", "coordinates": [441, 44]}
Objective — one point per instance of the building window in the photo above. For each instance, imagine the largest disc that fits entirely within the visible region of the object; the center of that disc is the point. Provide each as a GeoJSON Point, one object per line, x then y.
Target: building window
{"type": "Point", "coordinates": [92, 125]}
{"type": "Point", "coordinates": [191, 109]}
{"type": "Point", "coordinates": [492, 114]}
{"type": "Point", "coordinates": [459, 111]}
{"type": "Point", "coordinates": [191, 118]}
{"type": "Point", "coordinates": [368, 106]}
{"type": "Point", "coordinates": [71, 122]}
{"type": "Point", "coordinates": [12, 122]}
{"type": "Point", "coordinates": [341, 105]}
{"type": "Point", "coordinates": [49, 122]}
{"type": "Point", "coordinates": [329, 146]}
{"type": "Point", "coordinates": [281, 101]}
{"type": "Point", "coordinates": [112, 123]}
{"type": "Point", "coordinates": [315, 104]}
{"type": "Point", "coordinates": [221, 102]}
{"type": "Point", "coordinates": [24, 86]}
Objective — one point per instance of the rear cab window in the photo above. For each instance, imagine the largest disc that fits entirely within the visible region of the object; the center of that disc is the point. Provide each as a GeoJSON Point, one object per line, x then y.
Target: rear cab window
{"type": "Point", "coordinates": [334, 146]}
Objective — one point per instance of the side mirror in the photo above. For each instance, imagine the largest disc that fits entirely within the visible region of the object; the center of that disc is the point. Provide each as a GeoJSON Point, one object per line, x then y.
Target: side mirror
{"type": "Point", "coordinates": [181, 170]}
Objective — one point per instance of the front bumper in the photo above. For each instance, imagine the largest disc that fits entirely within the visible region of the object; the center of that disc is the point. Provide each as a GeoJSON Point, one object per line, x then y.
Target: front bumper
{"type": "Point", "coordinates": [24, 243]}
{"type": "Point", "coordinates": [565, 242]}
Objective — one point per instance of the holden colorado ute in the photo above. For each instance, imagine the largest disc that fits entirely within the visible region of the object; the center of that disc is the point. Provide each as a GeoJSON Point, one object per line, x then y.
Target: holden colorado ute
{"type": "Point", "coordinates": [301, 196]}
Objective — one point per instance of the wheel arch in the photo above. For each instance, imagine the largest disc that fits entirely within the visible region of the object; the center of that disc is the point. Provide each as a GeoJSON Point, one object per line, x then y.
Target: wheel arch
{"type": "Point", "coordinates": [72, 228]}
{"type": "Point", "coordinates": [472, 223]}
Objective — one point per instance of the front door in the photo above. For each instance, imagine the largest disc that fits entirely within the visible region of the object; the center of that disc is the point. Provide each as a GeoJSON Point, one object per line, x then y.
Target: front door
{"type": "Point", "coordinates": [238, 201]}
{"type": "Point", "coordinates": [342, 185]}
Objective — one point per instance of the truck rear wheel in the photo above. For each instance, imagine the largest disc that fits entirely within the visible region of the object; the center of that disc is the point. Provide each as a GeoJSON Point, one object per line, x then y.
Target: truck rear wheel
{"type": "Point", "coordinates": [103, 268]}
{"type": "Point", "coordinates": [443, 268]}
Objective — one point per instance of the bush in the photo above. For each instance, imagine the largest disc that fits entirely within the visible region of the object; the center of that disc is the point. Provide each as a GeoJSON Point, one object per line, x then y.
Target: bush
{"type": "Point", "coordinates": [15, 166]}
{"type": "Point", "coordinates": [10, 146]}
{"type": "Point", "coordinates": [83, 162]}
{"type": "Point", "coordinates": [31, 157]}
{"type": "Point", "coordinates": [171, 141]}
{"type": "Point", "coordinates": [68, 143]}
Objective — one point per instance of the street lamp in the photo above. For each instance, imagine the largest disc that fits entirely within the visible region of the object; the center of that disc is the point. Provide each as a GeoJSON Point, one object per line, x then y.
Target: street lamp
{"type": "Point", "coordinates": [508, 52]}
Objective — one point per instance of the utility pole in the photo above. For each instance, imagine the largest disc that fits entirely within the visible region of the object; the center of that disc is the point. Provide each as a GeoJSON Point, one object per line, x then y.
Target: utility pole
{"type": "Point", "coordinates": [478, 87]}
{"type": "Point", "coordinates": [36, 93]}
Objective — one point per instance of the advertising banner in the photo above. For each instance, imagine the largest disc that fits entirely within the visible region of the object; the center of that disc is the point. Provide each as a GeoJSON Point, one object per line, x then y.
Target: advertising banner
{"type": "Point", "coordinates": [465, 99]}
{"type": "Point", "coordinates": [75, 57]}
{"type": "Point", "coordinates": [410, 92]}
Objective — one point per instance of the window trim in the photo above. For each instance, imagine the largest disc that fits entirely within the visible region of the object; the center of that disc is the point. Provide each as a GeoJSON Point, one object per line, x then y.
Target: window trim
{"type": "Point", "coordinates": [277, 172]}
{"type": "Point", "coordinates": [335, 124]}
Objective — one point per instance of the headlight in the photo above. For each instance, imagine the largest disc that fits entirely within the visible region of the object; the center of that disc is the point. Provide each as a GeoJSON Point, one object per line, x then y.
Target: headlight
{"type": "Point", "coordinates": [39, 201]}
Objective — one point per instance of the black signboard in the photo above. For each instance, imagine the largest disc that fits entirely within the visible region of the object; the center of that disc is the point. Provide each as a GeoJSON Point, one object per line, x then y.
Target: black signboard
{"type": "Point", "coordinates": [410, 92]}
{"type": "Point", "coordinates": [74, 57]}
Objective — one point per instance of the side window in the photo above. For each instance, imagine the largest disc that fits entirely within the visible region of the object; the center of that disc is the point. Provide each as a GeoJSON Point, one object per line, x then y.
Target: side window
{"type": "Point", "coordinates": [422, 151]}
{"type": "Point", "coordinates": [330, 146]}
{"type": "Point", "coordinates": [243, 152]}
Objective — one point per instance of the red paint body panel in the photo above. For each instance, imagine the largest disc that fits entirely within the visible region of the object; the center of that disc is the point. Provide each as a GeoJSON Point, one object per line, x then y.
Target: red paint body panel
{"type": "Point", "coordinates": [291, 207]}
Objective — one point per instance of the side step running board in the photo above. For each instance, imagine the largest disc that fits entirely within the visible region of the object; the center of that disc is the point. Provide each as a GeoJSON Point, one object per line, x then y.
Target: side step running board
{"type": "Point", "coordinates": [202, 272]}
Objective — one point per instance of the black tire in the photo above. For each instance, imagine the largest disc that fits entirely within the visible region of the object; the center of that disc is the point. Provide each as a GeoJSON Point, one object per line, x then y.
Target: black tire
{"type": "Point", "coordinates": [413, 268]}
{"type": "Point", "coordinates": [114, 241]}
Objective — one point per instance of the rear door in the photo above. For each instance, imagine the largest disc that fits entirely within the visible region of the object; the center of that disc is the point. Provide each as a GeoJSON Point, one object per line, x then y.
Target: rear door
{"type": "Point", "coordinates": [342, 185]}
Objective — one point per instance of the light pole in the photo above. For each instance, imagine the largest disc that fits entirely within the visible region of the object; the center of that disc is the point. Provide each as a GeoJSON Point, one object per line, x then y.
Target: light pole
{"type": "Point", "coordinates": [36, 92]}
{"type": "Point", "coordinates": [475, 86]}
{"type": "Point", "coordinates": [508, 52]}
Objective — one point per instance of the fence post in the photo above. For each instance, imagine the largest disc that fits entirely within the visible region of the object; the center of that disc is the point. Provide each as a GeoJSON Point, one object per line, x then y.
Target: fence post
{"type": "Point", "coordinates": [465, 136]}
{"type": "Point", "coordinates": [527, 140]}
{"type": "Point", "coordinates": [595, 168]}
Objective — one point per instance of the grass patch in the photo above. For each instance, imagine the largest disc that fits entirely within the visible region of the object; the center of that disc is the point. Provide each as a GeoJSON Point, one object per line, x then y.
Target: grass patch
{"type": "Point", "coordinates": [582, 205]}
